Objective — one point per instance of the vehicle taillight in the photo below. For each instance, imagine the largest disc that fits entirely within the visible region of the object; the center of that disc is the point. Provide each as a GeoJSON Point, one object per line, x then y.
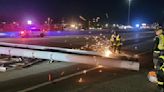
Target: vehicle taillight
{"type": "Point", "coordinates": [44, 30]}
{"type": "Point", "coordinates": [22, 32]}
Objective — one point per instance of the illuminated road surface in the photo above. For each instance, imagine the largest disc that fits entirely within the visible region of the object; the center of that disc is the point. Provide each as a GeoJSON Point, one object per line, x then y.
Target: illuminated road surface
{"type": "Point", "coordinates": [101, 80]}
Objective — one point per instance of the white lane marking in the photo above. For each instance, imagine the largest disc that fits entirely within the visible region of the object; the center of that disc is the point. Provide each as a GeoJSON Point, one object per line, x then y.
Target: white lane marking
{"type": "Point", "coordinates": [57, 80]}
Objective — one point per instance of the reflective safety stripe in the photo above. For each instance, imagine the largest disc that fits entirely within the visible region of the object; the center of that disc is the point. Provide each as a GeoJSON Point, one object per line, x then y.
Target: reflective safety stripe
{"type": "Point", "coordinates": [112, 38]}
{"type": "Point", "coordinates": [160, 83]}
{"type": "Point", "coordinates": [119, 43]}
{"type": "Point", "coordinates": [162, 57]}
{"type": "Point", "coordinates": [118, 38]}
{"type": "Point", "coordinates": [156, 51]}
{"type": "Point", "coordinates": [155, 67]}
{"type": "Point", "coordinates": [161, 42]}
{"type": "Point", "coordinates": [162, 69]}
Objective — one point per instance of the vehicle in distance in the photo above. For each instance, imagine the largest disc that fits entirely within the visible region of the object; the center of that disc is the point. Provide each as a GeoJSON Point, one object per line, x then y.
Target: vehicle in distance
{"type": "Point", "coordinates": [32, 33]}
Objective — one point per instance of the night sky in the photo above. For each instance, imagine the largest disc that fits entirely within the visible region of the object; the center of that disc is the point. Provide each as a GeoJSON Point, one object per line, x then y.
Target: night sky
{"type": "Point", "coordinates": [142, 10]}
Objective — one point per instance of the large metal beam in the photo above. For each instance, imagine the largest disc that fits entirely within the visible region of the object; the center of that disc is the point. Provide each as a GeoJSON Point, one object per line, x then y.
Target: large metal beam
{"type": "Point", "coordinates": [48, 48]}
{"type": "Point", "coordinates": [65, 57]}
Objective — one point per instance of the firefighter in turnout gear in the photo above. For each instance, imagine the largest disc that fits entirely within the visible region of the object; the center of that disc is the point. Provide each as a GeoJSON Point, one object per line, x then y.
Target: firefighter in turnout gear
{"type": "Point", "coordinates": [118, 43]}
{"type": "Point", "coordinates": [113, 41]}
{"type": "Point", "coordinates": [158, 58]}
{"type": "Point", "coordinates": [160, 72]}
{"type": "Point", "coordinates": [158, 45]}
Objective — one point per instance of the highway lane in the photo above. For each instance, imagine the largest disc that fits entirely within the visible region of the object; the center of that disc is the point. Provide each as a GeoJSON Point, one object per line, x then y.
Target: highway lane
{"type": "Point", "coordinates": [109, 80]}
{"type": "Point", "coordinates": [78, 41]}
{"type": "Point", "coordinates": [16, 34]}
{"type": "Point", "coordinates": [104, 80]}
{"type": "Point", "coordinates": [92, 83]}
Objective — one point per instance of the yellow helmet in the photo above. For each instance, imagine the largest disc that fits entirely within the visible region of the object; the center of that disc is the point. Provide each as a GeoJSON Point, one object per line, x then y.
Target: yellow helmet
{"type": "Point", "coordinates": [160, 29]}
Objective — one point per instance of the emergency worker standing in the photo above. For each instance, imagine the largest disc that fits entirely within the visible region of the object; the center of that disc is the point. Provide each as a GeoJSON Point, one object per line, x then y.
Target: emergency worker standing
{"type": "Point", "coordinates": [158, 45]}
{"type": "Point", "coordinates": [113, 41]}
{"type": "Point", "coordinates": [118, 43]}
{"type": "Point", "coordinates": [158, 58]}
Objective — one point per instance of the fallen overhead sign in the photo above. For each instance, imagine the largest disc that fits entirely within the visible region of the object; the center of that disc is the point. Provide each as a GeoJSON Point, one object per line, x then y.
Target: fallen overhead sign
{"type": "Point", "coordinates": [48, 48]}
{"type": "Point", "coordinates": [66, 57]}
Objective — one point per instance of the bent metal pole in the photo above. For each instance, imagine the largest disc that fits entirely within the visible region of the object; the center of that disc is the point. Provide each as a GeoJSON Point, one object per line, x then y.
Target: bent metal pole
{"type": "Point", "coordinates": [67, 57]}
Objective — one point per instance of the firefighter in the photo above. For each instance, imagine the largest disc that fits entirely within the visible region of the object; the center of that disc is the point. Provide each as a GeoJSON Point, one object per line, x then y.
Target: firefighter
{"type": "Point", "coordinates": [113, 41]}
{"type": "Point", "coordinates": [158, 45]}
{"type": "Point", "coordinates": [160, 72]}
{"type": "Point", "coordinates": [158, 58]}
{"type": "Point", "coordinates": [118, 43]}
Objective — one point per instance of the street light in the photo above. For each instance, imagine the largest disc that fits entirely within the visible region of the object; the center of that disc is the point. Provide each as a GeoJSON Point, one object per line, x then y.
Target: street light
{"type": "Point", "coordinates": [73, 25]}
{"type": "Point", "coordinates": [129, 11]}
{"type": "Point", "coordinates": [29, 22]}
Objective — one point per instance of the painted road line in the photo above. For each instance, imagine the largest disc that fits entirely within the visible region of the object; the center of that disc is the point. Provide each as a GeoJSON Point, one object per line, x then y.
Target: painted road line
{"type": "Point", "coordinates": [57, 80]}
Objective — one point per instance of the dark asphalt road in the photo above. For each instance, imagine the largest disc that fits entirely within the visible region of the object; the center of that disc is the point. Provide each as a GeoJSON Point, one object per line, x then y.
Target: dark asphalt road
{"type": "Point", "coordinates": [109, 80]}
{"type": "Point", "coordinates": [78, 41]}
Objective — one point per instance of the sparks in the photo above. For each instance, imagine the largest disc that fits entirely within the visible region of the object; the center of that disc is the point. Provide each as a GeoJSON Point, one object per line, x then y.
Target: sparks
{"type": "Point", "coordinates": [84, 71]}
{"type": "Point", "coordinates": [107, 52]}
{"type": "Point", "coordinates": [100, 71]}
{"type": "Point", "coordinates": [80, 80]}
{"type": "Point", "coordinates": [100, 44]}
{"type": "Point", "coordinates": [100, 66]}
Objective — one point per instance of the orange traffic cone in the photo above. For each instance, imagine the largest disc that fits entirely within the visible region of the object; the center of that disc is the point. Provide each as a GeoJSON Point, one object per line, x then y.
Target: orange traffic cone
{"type": "Point", "coordinates": [152, 76]}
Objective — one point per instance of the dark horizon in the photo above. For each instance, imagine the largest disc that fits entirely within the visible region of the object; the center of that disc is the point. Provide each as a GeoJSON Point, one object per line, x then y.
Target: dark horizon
{"type": "Point", "coordinates": [141, 10]}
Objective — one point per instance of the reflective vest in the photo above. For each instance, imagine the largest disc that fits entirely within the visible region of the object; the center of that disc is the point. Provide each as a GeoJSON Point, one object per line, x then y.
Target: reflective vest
{"type": "Point", "coordinates": [118, 39]}
{"type": "Point", "coordinates": [113, 37]}
{"type": "Point", "coordinates": [162, 69]}
{"type": "Point", "coordinates": [160, 83]}
{"type": "Point", "coordinates": [161, 42]}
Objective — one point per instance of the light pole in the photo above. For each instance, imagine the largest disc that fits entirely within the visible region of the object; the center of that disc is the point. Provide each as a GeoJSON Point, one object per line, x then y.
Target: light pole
{"type": "Point", "coordinates": [129, 11]}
